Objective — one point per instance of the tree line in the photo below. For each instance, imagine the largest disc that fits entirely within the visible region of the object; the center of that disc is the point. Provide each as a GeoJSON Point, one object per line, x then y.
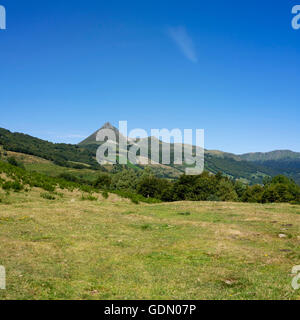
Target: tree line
{"type": "Point", "coordinates": [143, 184]}
{"type": "Point", "coordinates": [204, 187]}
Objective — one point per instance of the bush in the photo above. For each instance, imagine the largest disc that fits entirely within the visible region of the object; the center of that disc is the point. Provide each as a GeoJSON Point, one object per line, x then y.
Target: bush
{"type": "Point", "coordinates": [135, 198]}
{"type": "Point", "coordinates": [48, 187]}
{"type": "Point", "coordinates": [88, 197]}
{"type": "Point", "coordinates": [12, 185]}
{"type": "Point", "coordinates": [105, 194]}
{"type": "Point", "coordinates": [69, 177]}
{"type": "Point", "coordinates": [126, 180]}
{"type": "Point", "coordinates": [14, 162]}
{"type": "Point", "coordinates": [226, 191]}
{"type": "Point", "coordinates": [295, 202]}
{"type": "Point", "coordinates": [103, 182]}
{"type": "Point", "coordinates": [184, 213]}
{"type": "Point", "coordinates": [152, 187]}
{"type": "Point", "coordinates": [253, 194]}
{"type": "Point", "coordinates": [47, 196]}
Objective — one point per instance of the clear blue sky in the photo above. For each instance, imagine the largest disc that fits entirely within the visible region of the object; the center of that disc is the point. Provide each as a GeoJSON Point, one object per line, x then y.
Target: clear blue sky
{"type": "Point", "coordinates": [230, 67]}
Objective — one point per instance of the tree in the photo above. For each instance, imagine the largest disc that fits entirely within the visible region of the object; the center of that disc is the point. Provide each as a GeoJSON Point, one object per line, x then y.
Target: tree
{"type": "Point", "coordinates": [13, 161]}
{"type": "Point", "coordinates": [253, 194]}
{"type": "Point", "coordinates": [103, 181]}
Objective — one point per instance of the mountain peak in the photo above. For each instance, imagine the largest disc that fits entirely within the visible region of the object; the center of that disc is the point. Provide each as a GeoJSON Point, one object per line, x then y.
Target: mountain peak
{"type": "Point", "coordinates": [108, 125]}
{"type": "Point", "coordinates": [92, 138]}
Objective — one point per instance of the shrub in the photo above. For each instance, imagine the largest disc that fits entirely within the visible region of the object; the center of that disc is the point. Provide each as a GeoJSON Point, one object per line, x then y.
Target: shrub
{"type": "Point", "coordinates": [135, 197]}
{"type": "Point", "coordinates": [14, 162]}
{"type": "Point", "coordinates": [69, 177]}
{"type": "Point", "coordinates": [88, 197]}
{"type": "Point", "coordinates": [47, 196]}
{"type": "Point", "coordinates": [125, 180]}
{"type": "Point", "coordinates": [48, 187]}
{"type": "Point", "coordinates": [85, 188]}
{"type": "Point", "coordinates": [226, 191]}
{"type": "Point", "coordinates": [213, 197]}
{"type": "Point", "coordinates": [184, 213]}
{"type": "Point", "coordinates": [134, 200]}
{"type": "Point", "coordinates": [59, 194]}
{"type": "Point", "coordinates": [12, 185]}
{"type": "Point", "coordinates": [296, 202]}
{"type": "Point", "coordinates": [152, 187]}
{"type": "Point", "coordinates": [253, 194]}
{"type": "Point", "coordinates": [105, 194]}
{"type": "Point", "coordinates": [103, 182]}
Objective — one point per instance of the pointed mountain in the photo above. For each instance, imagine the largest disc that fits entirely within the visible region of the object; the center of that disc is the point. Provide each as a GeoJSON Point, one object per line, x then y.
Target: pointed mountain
{"type": "Point", "coordinates": [92, 138]}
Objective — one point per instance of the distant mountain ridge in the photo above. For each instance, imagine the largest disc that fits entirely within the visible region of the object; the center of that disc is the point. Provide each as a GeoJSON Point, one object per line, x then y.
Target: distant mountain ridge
{"type": "Point", "coordinates": [273, 155]}
{"type": "Point", "coordinates": [250, 168]}
{"type": "Point", "coordinates": [253, 156]}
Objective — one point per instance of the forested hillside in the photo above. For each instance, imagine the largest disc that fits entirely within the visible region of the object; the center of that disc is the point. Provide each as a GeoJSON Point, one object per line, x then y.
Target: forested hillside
{"type": "Point", "coordinates": [60, 153]}
{"type": "Point", "coordinates": [280, 161]}
{"type": "Point", "coordinates": [83, 156]}
{"type": "Point", "coordinates": [270, 156]}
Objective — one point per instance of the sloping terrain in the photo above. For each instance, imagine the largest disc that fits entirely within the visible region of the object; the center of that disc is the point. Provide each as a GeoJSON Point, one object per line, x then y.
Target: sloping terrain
{"type": "Point", "coordinates": [280, 161]}
{"type": "Point", "coordinates": [60, 153]}
{"type": "Point", "coordinates": [62, 239]}
{"type": "Point", "coordinates": [215, 161]}
{"type": "Point", "coordinates": [72, 247]}
{"type": "Point", "coordinates": [270, 156]}
{"type": "Point", "coordinates": [82, 157]}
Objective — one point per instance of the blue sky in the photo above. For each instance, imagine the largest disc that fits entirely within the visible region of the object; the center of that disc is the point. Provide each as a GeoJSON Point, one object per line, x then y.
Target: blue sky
{"type": "Point", "coordinates": [229, 67]}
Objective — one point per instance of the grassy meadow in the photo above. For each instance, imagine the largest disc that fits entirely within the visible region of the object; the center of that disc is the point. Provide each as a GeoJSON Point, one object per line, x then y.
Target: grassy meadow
{"type": "Point", "coordinates": [69, 246]}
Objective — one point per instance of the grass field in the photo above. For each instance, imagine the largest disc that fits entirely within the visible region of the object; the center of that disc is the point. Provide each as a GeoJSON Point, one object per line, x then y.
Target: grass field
{"type": "Point", "coordinates": [69, 248]}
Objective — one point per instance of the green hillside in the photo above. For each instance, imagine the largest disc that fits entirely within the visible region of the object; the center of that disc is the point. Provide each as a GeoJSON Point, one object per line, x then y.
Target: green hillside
{"type": "Point", "coordinates": [270, 156]}
{"type": "Point", "coordinates": [252, 168]}
{"type": "Point", "coordinates": [66, 155]}
{"type": "Point", "coordinates": [280, 161]}
{"type": "Point", "coordinates": [215, 161]}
